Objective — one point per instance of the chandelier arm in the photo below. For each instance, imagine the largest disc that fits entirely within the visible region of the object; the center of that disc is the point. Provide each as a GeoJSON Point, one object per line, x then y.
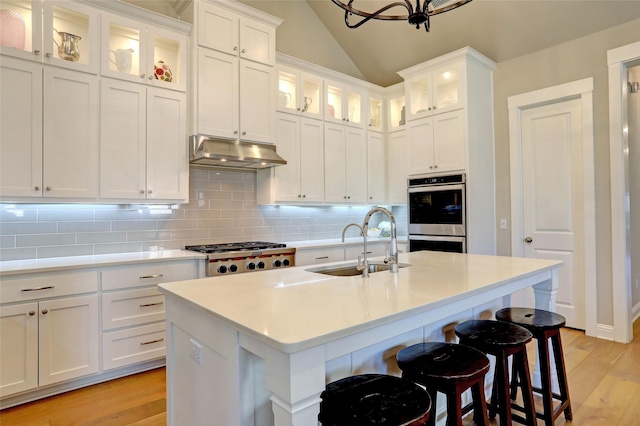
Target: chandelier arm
{"type": "Point", "coordinates": [377, 14]}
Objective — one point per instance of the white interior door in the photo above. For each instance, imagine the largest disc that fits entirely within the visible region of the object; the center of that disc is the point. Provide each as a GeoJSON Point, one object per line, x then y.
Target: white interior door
{"type": "Point", "coordinates": [552, 198]}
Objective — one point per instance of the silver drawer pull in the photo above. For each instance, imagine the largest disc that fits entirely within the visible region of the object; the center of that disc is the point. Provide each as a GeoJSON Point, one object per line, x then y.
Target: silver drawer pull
{"type": "Point", "coordinates": [146, 277]}
{"type": "Point", "coordinates": [38, 288]}
{"type": "Point", "coordinates": [151, 304]}
{"type": "Point", "coordinates": [322, 257]}
{"type": "Point", "coordinates": [152, 341]}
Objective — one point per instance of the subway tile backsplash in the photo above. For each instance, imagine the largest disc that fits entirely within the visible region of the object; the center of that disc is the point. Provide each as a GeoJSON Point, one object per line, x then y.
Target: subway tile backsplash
{"type": "Point", "coordinates": [222, 208]}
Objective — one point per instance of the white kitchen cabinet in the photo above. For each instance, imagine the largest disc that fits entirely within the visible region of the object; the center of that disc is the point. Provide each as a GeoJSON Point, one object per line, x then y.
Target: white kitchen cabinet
{"type": "Point", "coordinates": [301, 180]}
{"type": "Point", "coordinates": [234, 33]}
{"type": "Point", "coordinates": [345, 164]}
{"type": "Point", "coordinates": [374, 248]}
{"type": "Point", "coordinates": [376, 113]}
{"type": "Point", "coordinates": [344, 104]}
{"type": "Point", "coordinates": [48, 148]}
{"type": "Point", "coordinates": [300, 92]}
{"type": "Point", "coordinates": [398, 157]}
{"type": "Point", "coordinates": [236, 99]}
{"type": "Point", "coordinates": [396, 107]}
{"type": "Point", "coordinates": [37, 334]}
{"type": "Point", "coordinates": [45, 24]}
{"type": "Point", "coordinates": [135, 51]}
{"type": "Point", "coordinates": [434, 90]}
{"type": "Point", "coordinates": [376, 168]}
{"type": "Point", "coordinates": [437, 143]}
{"type": "Point", "coordinates": [143, 154]}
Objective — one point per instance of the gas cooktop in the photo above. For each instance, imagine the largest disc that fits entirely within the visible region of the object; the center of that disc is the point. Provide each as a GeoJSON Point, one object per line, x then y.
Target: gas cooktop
{"type": "Point", "coordinates": [244, 246]}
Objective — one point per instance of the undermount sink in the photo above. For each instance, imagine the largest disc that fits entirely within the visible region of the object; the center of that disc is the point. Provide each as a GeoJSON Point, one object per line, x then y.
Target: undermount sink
{"type": "Point", "coordinates": [351, 269]}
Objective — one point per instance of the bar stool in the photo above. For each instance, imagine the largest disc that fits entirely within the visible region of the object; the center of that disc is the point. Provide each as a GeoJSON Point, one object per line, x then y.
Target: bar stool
{"type": "Point", "coordinates": [502, 339]}
{"type": "Point", "coordinates": [450, 369]}
{"type": "Point", "coordinates": [374, 399]}
{"type": "Point", "coordinates": [544, 325]}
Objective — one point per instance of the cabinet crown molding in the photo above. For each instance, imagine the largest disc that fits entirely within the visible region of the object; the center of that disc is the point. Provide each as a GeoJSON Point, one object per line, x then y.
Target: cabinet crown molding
{"type": "Point", "coordinates": [463, 53]}
{"type": "Point", "coordinates": [248, 11]}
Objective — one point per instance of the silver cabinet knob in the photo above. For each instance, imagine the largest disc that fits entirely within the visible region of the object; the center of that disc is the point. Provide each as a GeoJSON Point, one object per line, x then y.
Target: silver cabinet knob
{"type": "Point", "coordinates": [142, 191]}
{"type": "Point", "coordinates": [37, 188]}
{"type": "Point", "coordinates": [435, 166]}
{"type": "Point", "coordinates": [150, 77]}
{"type": "Point", "coordinates": [143, 75]}
{"type": "Point", "coordinates": [48, 188]}
{"type": "Point", "coordinates": [48, 55]}
{"type": "Point", "coordinates": [45, 312]}
{"type": "Point", "coordinates": [150, 192]}
{"type": "Point", "coordinates": [235, 132]}
{"type": "Point", "coordinates": [304, 196]}
{"type": "Point", "coordinates": [32, 313]}
{"type": "Point", "coordinates": [244, 133]}
{"type": "Point", "coordinates": [528, 240]}
{"type": "Point", "coordinates": [235, 47]}
{"type": "Point", "coordinates": [36, 52]}
{"type": "Point", "coordinates": [244, 51]}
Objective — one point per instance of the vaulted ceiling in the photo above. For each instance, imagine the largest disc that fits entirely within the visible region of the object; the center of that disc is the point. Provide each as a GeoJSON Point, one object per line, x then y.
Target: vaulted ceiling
{"type": "Point", "coordinates": [500, 29]}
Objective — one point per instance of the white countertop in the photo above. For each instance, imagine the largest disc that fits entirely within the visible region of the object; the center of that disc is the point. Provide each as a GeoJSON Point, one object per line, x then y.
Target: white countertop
{"type": "Point", "coordinates": [292, 309]}
{"type": "Point", "coordinates": [14, 267]}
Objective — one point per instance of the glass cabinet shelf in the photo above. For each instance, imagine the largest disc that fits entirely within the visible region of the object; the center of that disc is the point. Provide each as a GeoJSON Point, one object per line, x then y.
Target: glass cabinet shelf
{"type": "Point", "coordinates": [397, 115]}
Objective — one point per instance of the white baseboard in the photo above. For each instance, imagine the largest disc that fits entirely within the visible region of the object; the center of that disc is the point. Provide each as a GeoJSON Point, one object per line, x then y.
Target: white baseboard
{"type": "Point", "coordinates": [635, 312]}
{"type": "Point", "coordinates": [605, 332]}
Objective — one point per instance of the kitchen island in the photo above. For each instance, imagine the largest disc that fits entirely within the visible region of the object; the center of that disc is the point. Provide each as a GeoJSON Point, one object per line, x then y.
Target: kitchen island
{"type": "Point", "coordinates": [259, 348]}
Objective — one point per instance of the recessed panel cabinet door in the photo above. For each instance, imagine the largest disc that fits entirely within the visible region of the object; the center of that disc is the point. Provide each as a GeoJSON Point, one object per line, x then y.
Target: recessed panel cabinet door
{"type": "Point", "coordinates": [71, 117]}
{"type": "Point", "coordinates": [355, 165]}
{"type": "Point", "coordinates": [258, 84]}
{"type": "Point", "coordinates": [334, 163]}
{"type": "Point", "coordinates": [311, 160]}
{"type": "Point", "coordinates": [20, 128]}
{"type": "Point", "coordinates": [217, 94]}
{"type": "Point", "coordinates": [376, 168]}
{"type": "Point", "coordinates": [448, 141]}
{"type": "Point", "coordinates": [18, 348]}
{"type": "Point", "coordinates": [167, 165]}
{"type": "Point", "coordinates": [123, 131]}
{"type": "Point", "coordinates": [69, 341]}
{"type": "Point", "coordinates": [288, 176]}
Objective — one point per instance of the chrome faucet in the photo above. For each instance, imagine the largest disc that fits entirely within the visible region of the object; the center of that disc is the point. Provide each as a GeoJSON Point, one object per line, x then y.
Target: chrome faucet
{"type": "Point", "coordinates": [392, 257]}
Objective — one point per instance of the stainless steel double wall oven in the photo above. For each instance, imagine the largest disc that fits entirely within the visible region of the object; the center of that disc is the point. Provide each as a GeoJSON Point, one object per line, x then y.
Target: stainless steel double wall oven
{"type": "Point", "coordinates": [437, 213]}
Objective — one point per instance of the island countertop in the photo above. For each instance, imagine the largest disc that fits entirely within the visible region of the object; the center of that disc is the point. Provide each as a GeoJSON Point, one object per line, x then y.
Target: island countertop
{"type": "Point", "coordinates": [293, 309]}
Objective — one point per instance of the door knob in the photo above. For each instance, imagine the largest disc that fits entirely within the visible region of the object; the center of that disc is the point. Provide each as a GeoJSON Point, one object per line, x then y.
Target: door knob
{"type": "Point", "coordinates": [528, 240]}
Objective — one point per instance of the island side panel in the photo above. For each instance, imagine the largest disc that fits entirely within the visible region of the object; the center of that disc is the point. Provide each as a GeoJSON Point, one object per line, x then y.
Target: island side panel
{"type": "Point", "coordinates": [202, 368]}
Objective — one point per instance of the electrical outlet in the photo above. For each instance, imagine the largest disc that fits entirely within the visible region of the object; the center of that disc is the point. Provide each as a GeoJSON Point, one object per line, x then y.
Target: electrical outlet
{"type": "Point", "coordinates": [196, 351]}
{"type": "Point", "coordinates": [503, 223]}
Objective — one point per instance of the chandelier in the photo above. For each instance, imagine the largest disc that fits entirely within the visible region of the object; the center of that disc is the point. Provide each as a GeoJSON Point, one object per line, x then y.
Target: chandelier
{"type": "Point", "coordinates": [417, 15]}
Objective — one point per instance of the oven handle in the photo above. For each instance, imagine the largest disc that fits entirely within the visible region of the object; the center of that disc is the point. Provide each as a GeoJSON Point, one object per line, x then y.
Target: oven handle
{"type": "Point", "coordinates": [427, 188]}
{"type": "Point", "coordinates": [436, 238]}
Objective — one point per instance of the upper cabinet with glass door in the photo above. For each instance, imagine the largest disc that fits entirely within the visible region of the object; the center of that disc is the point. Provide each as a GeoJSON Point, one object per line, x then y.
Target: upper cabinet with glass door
{"type": "Point", "coordinates": [61, 33]}
{"type": "Point", "coordinates": [376, 120]}
{"type": "Point", "coordinates": [141, 53]}
{"type": "Point", "coordinates": [299, 92]}
{"type": "Point", "coordinates": [434, 90]}
{"type": "Point", "coordinates": [396, 109]}
{"type": "Point", "coordinates": [344, 104]}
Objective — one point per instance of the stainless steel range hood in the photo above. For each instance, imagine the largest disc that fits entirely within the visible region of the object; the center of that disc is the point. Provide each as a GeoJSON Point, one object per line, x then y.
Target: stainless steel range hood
{"type": "Point", "coordinates": [230, 153]}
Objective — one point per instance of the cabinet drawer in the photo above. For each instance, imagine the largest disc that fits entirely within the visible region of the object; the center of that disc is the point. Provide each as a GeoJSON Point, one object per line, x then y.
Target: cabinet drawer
{"type": "Point", "coordinates": [134, 345]}
{"type": "Point", "coordinates": [373, 250]}
{"type": "Point", "coordinates": [39, 286]}
{"type": "Point", "coordinates": [132, 307]}
{"type": "Point", "coordinates": [146, 274]}
{"type": "Point", "coordinates": [317, 256]}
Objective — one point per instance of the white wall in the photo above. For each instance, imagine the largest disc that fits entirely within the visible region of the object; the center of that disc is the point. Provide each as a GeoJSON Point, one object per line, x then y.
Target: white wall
{"type": "Point", "coordinates": [222, 208]}
{"type": "Point", "coordinates": [634, 188]}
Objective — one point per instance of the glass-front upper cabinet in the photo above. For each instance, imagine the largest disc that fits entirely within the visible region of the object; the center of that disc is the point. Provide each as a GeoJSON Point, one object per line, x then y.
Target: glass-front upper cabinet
{"type": "Point", "coordinates": [343, 104]}
{"type": "Point", "coordinates": [299, 92]}
{"type": "Point", "coordinates": [375, 113]}
{"type": "Point", "coordinates": [396, 117]}
{"type": "Point", "coordinates": [438, 90]}
{"type": "Point", "coordinates": [141, 53]}
{"type": "Point", "coordinates": [61, 33]}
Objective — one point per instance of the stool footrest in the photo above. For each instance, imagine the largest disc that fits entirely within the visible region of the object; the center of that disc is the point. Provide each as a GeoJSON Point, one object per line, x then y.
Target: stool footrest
{"type": "Point", "coordinates": [553, 394]}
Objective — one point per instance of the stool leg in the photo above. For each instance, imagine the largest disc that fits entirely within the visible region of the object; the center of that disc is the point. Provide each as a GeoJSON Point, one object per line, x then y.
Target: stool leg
{"type": "Point", "coordinates": [454, 408]}
{"type": "Point", "coordinates": [493, 408]}
{"type": "Point", "coordinates": [545, 376]}
{"type": "Point", "coordinates": [479, 404]}
{"type": "Point", "coordinates": [562, 375]}
{"type": "Point", "coordinates": [514, 382]}
{"type": "Point", "coordinates": [502, 385]}
{"type": "Point", "coordinates": [433, 393]}
{"type": "Point", "coordinates": [525, 380]}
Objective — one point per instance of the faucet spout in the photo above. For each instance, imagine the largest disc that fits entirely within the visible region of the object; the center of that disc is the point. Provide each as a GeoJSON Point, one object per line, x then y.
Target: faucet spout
{"type": "Point", "coordinates": [392, 258]}
{"type": "Point", "coordinates": [347, 227]}
{"type": "Point", "coordinates": [362, 266]}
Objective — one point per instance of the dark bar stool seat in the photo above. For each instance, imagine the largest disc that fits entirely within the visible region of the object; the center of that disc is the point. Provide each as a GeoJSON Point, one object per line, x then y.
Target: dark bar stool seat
{"type": "Point", "coordinates": [544, 325]}
{"type": "Point", "coordinates": [502, 339]}
{"type": "Point", "coordinates": [374, 399]}
{"type": "Point", "coordinates": [450, 369]}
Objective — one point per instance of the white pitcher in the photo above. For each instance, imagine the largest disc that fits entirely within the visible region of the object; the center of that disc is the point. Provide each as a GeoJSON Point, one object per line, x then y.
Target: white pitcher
{"type": "Point", "coordinates": [123, 59]}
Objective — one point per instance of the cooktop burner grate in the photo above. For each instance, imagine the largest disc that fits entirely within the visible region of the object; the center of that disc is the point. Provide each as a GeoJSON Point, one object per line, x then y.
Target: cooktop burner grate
{"type": "Point", "coordinates": [243, 246]}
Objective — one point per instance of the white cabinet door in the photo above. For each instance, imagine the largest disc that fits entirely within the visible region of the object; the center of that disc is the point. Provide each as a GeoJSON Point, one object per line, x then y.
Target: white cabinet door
{"type": "Point", "coordinates": [218, 28]}
{"type": "Point", "coordinates": [123, 132]}
{"type": "Point", "coordinates": [257, 41]}
{"type": "Point", "coordinates": [311, 160]}
{"type": "Point", "coordinates": [71, 134]}
{"type": "Point", "coordinates": [218, 94]}
{"type": "Point", "coordinates": [376, 168]}
{"type": "Point", "coordinates": [398, 160]}
{"type": "Point", "coordinates": [355, 165]}
{"type": "Point", "coordinates": [334, 163]}
{"type": "Point", "coordinates": [69, 339]}
{"type": "Point", "coordinates": [167, 164]}
{"type": "Point", "coordinates": [421, 145]}
{"type": "Point", "coordinates": [20, 128]}
{"type": "Point", "coordinates": [449, 141]}
{"type": "Point", "coordinates": [18, 348]}
{"type": "Point", "coordinates": [257, 102]}
{"type": "Point", "coordinates": [288, 176]}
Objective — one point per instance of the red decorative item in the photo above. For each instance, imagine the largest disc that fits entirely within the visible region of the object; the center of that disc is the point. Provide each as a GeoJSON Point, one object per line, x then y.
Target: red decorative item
{"type": "Point", "coordinates": [162, 72]}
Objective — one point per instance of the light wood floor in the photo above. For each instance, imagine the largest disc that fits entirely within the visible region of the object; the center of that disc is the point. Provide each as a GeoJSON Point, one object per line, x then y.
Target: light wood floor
{"type": "Point", "coordinates": [604, 385]}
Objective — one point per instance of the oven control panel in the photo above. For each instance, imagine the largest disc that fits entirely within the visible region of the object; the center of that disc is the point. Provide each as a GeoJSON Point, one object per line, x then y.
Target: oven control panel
{"type": "Point", "coordinates": [229, 266]}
